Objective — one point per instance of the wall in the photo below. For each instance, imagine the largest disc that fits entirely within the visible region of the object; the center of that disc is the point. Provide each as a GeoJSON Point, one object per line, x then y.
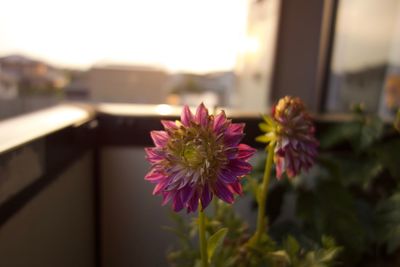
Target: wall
{"type": "Point", "coordinates": [56, 227]}
{"type": "Point", "coordinates": [132, 218]}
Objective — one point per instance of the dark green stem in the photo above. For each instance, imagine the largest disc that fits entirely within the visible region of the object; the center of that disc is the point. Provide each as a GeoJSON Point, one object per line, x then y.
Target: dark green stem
{"type": "Point", "coordinates": [202, 237]}
{"type": "Point", "coordinates": [262, 197]}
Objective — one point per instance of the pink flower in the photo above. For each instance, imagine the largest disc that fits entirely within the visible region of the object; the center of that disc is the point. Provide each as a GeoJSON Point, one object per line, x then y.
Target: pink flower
{"type": "Point", "coordinates": [291, 129]}
{"type": "Point", "coordinates": [198, 157]}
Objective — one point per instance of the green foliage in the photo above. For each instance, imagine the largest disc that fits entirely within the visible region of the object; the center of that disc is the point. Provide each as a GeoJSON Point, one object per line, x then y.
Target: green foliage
{"type": "Point", "coordinates": [188, 252]}
{"type": "Point", "coordinates": [344, 212]}
{"type": "Point", "coordinates": [230, 246]}
{"type": "Point", "coordinates": [388, 222]}
{"type": "Point", "coordinates": [360, 133]}
{"type": "Point", "coordinates": [387, 154]}
{"type": "Point", "coordinates": [322, 257]}
{"type": "Point", "coordinates": [330, 209]}
{"type": "Point", "coordinates": [215, 241]}
{"type": "Point", "coordinates": [352, 193]}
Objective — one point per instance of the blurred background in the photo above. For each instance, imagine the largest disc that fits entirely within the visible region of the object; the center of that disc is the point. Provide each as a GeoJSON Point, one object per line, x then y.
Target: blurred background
{"type": "Point", "coordinates": [239, 54]}
{"type": "Point", "coordinates": [72, 191]}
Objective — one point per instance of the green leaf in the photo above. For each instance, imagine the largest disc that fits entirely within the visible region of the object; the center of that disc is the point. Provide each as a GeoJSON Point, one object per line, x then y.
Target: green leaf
{"type": "Point", "coordinates": [371, 131]}
{"type": "Point", "coordinates": [292, 246]}
{"type": "Point", "coordinates": [339, 133]}
{"type": "Point", "coordinates": [329, 255]}
{"type": "Point", "coordinates": [387, 154]}
{"type": "Point", "coordinates": [328, 242]}
{"type": "Point", "coordinates": [198, 263]}
{"type": "Point", "coordinates": [361, 170]}
{"type": "Point", "coordinates": [280, 257]}
{"type": "Point", "coordinates": [388, 226]}
{"type": "Point", "coordinates": [215, 241]}
{"type": "Point", "coordinates": [316, 209]}
{"type": "Point", "coordinates": [268, 120]}
{"type": "Point", "coordinates": [265, 127]}
{"type": "Point", "coordinates": [265, 138]}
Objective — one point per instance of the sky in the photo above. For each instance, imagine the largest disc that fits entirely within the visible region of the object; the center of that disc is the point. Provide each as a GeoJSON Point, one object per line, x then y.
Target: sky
{"type": "Point", "coordinates": [179, 35]}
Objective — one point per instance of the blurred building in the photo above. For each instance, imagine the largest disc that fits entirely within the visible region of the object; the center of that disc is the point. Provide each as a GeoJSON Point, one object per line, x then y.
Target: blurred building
{"type": "Point", "coordinates": [355, 87]}
{"type": "Point", "coordinates": [77, 88]}
{"type": "Point", "coordinates": [255, 62]}
{"type": "Point", "coordinates": [224, 84]}
{"type": "Point", "coordinates": [32, 76]}
{"type": "Point", "coordinates": [8, 87]}
{"type": "Point", "coordinates": [214, 89]}
{"type": "Point", "coordinates": [128, 84]}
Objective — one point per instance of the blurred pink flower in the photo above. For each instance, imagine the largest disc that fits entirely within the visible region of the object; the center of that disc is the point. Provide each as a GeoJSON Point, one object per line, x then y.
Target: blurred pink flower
{"type": "Point", "coordinates": [292, 130]}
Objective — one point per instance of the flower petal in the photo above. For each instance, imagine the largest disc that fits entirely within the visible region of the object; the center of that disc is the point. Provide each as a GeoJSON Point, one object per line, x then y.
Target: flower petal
{"type": "Point", "coordinates": [160, 138]}
{"type": "Point", "coordinates": [245, 152]}
{"type": "Point", "coordinates": [223, 192]}
{"type": "Point", "coordinates": [177, 204]}
{"type": "Point", "coordinates": [169, 125]}
{"type": "Point", "coordinates": [219, 122]}
{"type": "Point", "coordinates": [206, 197]}
{"type": "Point", "coordinates": [160, 187]}
{"type": "Point", "coordinates": [235, 128]}
{"type": "Point", "coordinates": [153, 154]}
{"type": "Point", "coordinates": [193, 203]}
{"type": "Point", "coordinates": [227, 176]}
{"type": "Point", "coordinates": [186, 116]}
{"type": "Point", "coordinates": [175, 181]}
{"type": "Point", "coordinates": [233, 139]}
{"type": "Point", "coordinates": [236, 188]}
{"type": "Point", "coordinates": [201, 116]}
{"type": "Point", "coordinates": [167, 196]}
{"type": "Point", "coordinates": [279, 165]}
{"type": "Point", "coordinates": [186, 193]}
{"type": "Point", "coordinates": [231, 152]}
{"type": "Point", "coordinates": [154, 177]}
{"type": "Point", "coordinates": [239, 167]}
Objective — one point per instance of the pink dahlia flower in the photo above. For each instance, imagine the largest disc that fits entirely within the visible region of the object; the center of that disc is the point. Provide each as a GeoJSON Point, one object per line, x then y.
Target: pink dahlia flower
{"type": "Point", "coordinates": [198, 157]}
{"type": "Point", "coordinates": [292, 130]}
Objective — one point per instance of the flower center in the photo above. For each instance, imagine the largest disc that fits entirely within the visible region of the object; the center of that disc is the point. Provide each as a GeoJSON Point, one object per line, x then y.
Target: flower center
{"type": "Point", "coordinates": [198, 152]}
{"type": "Point", "coordinates": [192, 156]}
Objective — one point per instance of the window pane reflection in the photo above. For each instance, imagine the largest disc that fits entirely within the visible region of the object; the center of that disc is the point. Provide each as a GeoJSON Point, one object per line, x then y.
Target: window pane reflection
{"type": "Point", "coordinates": [366, 55]}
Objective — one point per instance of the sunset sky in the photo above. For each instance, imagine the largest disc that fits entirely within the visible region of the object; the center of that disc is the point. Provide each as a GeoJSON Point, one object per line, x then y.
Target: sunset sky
{"type": "Point", "coordinates": [190, 35]}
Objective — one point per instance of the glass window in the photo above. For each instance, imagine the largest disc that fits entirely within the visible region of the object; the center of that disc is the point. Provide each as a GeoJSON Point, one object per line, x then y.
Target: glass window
{"type": "Point", "coordinates": [366, 56]}
{"type": "Point", "coordinates": [255, 62]}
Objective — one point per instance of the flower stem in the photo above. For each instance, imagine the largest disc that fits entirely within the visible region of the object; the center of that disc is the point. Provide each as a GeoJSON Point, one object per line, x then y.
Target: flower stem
{"type": "Point", "coordinates": [202, 237]}
{"type": "Point", "coordinates": [216, 207]}
{"type": "Point", "coordinates": [262, 198]}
